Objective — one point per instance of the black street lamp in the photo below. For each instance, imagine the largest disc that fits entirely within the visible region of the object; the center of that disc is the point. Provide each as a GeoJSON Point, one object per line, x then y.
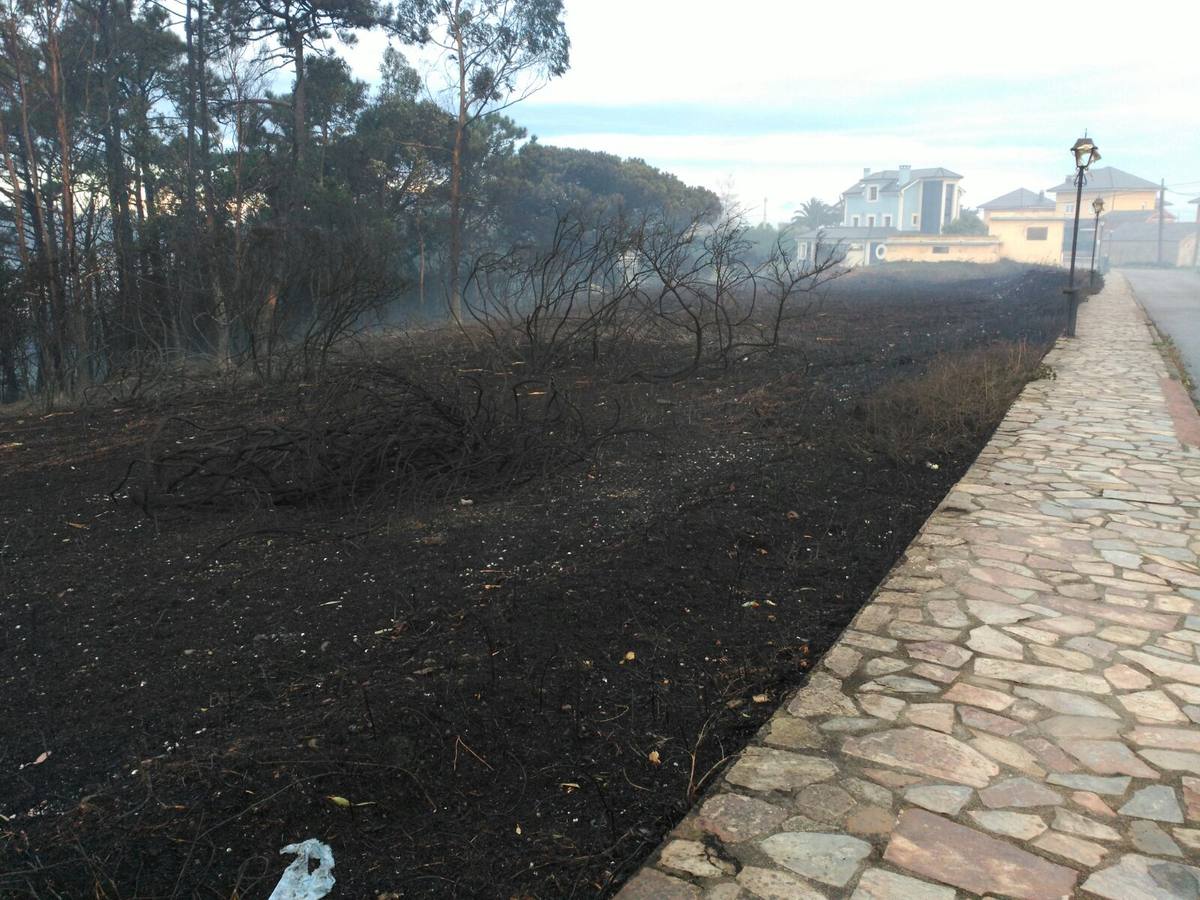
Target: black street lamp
{"type": "Point", "coordinates": [1086, 152]}
{"type": "Point", "coordinates": [1098, 207]}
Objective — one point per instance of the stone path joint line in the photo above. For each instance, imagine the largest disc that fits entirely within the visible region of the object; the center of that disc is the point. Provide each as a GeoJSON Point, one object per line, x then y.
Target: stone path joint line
{"type": "Point", "coordinates": [1016, 711]}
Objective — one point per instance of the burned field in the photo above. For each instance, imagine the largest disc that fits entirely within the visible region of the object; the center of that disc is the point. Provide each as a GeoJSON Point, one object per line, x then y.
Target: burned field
{"type": "Point", "coordinates": [513, 679]}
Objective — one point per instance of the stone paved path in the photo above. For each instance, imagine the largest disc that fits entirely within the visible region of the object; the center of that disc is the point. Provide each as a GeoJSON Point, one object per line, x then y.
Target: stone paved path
{"type": "Point", "coordinates": [1015, 711]}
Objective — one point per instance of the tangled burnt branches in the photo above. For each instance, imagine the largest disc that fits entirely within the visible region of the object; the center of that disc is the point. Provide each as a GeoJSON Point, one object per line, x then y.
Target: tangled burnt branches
{"type": "Point", "coordinates": [372, 435]}
{"type": "Point", "coordinates": [656, 298]}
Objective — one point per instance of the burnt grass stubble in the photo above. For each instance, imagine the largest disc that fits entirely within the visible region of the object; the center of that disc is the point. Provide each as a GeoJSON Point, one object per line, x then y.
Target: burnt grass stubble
{"type": "Point", "coordinates": [486, 684]}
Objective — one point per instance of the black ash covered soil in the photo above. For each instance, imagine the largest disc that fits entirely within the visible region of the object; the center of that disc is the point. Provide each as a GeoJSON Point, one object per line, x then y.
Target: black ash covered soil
{"type": "Point", "coordinates": [517, 696]}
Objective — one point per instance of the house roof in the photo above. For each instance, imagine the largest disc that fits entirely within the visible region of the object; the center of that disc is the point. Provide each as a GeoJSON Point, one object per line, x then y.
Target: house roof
{"type": "Point", "coordinates": [1148, 231]}
{"type": "Point", "coordinates": [1108, 178]}
{"type": "Point", "coordinates": [888, 180]}
{"type": "Point", "coordinates": [1019, 199]}
{"type": "Point", "coordinates": [1119, 217]}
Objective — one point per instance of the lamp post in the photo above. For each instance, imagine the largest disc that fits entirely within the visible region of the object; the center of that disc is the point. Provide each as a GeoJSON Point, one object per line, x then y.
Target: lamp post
{"type": "Point", "coordinates": [1098, 207]}
{"type": "Point", "coordinates": [1086, 152]}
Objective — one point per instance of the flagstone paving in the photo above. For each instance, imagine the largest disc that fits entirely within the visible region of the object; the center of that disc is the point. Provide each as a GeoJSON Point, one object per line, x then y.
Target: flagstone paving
{"type": "Point", "coordinates": [1015, 712]}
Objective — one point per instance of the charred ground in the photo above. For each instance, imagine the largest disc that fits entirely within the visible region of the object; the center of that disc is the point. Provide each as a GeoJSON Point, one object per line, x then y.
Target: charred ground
{"type": "Point", "coordinates": [516, 696]}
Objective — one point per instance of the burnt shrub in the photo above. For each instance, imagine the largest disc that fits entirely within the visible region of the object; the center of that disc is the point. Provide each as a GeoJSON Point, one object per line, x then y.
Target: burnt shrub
{"type": "Point", "coordinates": [955, 402]}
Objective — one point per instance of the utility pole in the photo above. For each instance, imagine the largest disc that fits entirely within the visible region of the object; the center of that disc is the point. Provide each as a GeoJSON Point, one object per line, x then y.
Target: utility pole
{"type": "Point", "coordinates": [1162, 214]}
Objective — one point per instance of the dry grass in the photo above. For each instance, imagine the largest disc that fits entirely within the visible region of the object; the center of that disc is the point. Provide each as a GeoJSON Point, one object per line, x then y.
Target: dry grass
{"type": "Point", "coordinates": [958, 399]}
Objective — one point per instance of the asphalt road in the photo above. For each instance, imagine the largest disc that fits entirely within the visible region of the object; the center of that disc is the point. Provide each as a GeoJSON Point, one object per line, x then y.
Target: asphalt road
{"type": "Point", "coordinates": [1172, 298]}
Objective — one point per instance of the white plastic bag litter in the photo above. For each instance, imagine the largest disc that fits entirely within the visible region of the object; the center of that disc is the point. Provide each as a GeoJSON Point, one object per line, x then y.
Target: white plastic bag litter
{"type": "Point", "coordinates": [297, 883]}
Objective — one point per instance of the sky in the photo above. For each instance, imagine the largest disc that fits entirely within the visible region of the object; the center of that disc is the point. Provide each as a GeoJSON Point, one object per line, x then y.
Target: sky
{"type": "Point", "coordinates": [777, 102]}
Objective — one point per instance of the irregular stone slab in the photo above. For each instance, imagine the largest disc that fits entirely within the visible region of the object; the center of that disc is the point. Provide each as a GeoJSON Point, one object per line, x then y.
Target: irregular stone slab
{"type": "Point", "coordinates": [1092, 647]}
{"type": "Point", "coordinates": [978, 696]}
{"type": "Point", "coordinates": [881, 706]}
{"type": "Point", "coordinates": [1093, 804]}
{"type": "Point", "coordinates": [650, 884]}
{"type": "Point", "coordinates": [1164, 668]}
{"type": "Point", "coordinates": [939, 652]}
{"type": "Point", "coordinates": [1149, 838]}
{"type": "Point", "coordinates": [1191, 797]}
{"type": "Point", "coordinates": [884, 665]}
{"type": "Point", "coordinates": [1008, 753]}
{"type": "Point", "coordinates": [1065, 727]}
{"type": "Point", "coordinates": [1137, 877]}
{"type": "Point", "coordinates": [879, 884]}
{"type": "Point", "coordinates": [1051, 756]}
{"type": "Point", "coordinates": [935, 673]}
{"type": "Point", "coordinates": [1113, 787]}
{"type": "Point", "coordinates": [924, 751]}
{"type": "Point", "coordinates": [1041, 676]}
{"type": "Point", "coordinates": [842, 660]}
{"type": "Point", "coordinates": [794, 734]}
{"type": "Point", "coordinates": [849, 724]}
{"type": "Point", "coordinates": [771, 884]}
{"type": "Point", "coordinates": [1073, 848]}
{"type": "Point", "coordinates": [869, 641]}
{"type": "Point", "coordinates": [1157, 802]}
{"type": "Point", "coordinates": [942, 798]}
{"type": "Point", "coordinates": [987, 640]}
{"type": "Point", "coordinates": [901, 684]}
{"type": "Point", "coordinates": [1126, 678]}
{"type": "Point", "coordinates": [825, 803]}
{"type": "Point", "coordinates": [1023, 826]}
{"type": "Point", "coordinates": [871, 821]}
{"type": "Point", "coordinates": [938, 716]}
{"type": "Point", "coordinates": [1018, 792]}
{"type": "Point", "coordinates": [1174, 760]}
{"type": "Point", "coordinates": [734, 818]}
{"type": "Point", "coordinates": [1067, 659]}
{"type": "Point", "coordinates": [694, 858]}
{"type": "Point", "coordinates": [973, 717]}
{"type": "Point", "coordinates": [1152, 706]}
{"type": "Point", "coordinates": [822, 696]}
{"type": "Point", "coordinates": [1109, 758]}
{"type": "Point", "coordinates": [1066, 703]}
{"type": "Point", "coordinates": [991, 613]}
{"type": "Point", "coordinates": [1073, 823]}
{"type": "Point", "coordinates": [766, 769]}
{"type": "Point", "coordinates": [831, 859]}
{"type": "Point", "coordinates": [947, 613]}
{"type": "Point", "coordinates": [911, 631]}
{"type": "Point", "coordinates": [1166, 738]}
{"type": "Point", "coordinates": [939, 849]}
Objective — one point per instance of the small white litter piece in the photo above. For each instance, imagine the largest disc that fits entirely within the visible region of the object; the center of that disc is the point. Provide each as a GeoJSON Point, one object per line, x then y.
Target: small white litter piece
{"type": "Point", "coordinates": [297, 882]}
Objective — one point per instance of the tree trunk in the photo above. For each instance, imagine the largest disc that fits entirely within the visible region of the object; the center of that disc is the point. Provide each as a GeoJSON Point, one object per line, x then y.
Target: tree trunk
{"type": "Point", "coordinates": [456, 211]}
{"type": "Point", "coordinates": [78, 309]}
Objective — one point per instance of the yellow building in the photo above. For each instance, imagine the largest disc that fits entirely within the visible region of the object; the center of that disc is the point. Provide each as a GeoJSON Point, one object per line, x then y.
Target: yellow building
{"type": "Point", "coordinates": [1029, 227]}
{"type": "Point", "coordinates": [1120, 191]}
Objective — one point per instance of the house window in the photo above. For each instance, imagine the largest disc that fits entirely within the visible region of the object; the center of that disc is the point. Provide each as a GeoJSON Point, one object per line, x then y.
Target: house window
{"type": "Point", "coordinates": [854, 221]}
{"type": "Point", "coordinates": [887, 221]}
{"type": "Point", "coordinates": [1041, 233]}
{"type": "Point", "coordinates": [803, 249]}
{"type": "Point", "coordinates": [941, 248]}
{"type": "Point", "coordinates": [915, 220]}
{"type": "Point", "coordinates": [1070, 207]}
{"type": "Point", "coordinates": [873, 193]}
{"type": "Point", "coordinates": [870, 221]}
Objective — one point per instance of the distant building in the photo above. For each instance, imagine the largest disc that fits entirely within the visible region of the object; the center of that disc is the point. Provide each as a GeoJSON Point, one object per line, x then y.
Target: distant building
{"type": "Point", "coordinates": [899, 215]}
{"type": "Point", "coordinates": [1028, 226]}
{"type": "Point", "coordinates": [1121, 192]}
{"type": "Point", "coordinates": [907, 199]}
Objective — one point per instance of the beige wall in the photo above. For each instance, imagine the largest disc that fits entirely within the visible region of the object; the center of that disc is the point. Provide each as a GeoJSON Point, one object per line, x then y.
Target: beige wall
{"type": "Point", "coordinates": [1113, 201]}
{"type": "Point", "coordinates": [1015, 244]}
{"type": "Point", "coordinates": [969, 249]}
